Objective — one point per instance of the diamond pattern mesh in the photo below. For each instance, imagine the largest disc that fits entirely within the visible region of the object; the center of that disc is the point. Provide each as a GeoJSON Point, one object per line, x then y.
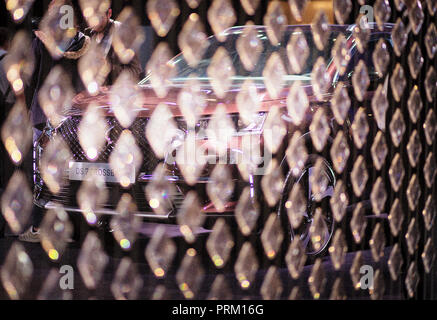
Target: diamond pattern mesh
{"type": "Point", "coordinates": [270, 162]}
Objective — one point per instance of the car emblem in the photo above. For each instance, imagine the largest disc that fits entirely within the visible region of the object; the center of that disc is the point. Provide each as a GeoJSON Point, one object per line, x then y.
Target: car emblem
{"type": "Point", "coordinates": [108, 135]}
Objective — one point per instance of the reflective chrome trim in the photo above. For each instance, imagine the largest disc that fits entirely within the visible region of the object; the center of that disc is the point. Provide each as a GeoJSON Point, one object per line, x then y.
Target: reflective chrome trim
{"type": "Point", "coordinates": [143, 177]}
{"type": "Point", "coordinates": [151, 215]}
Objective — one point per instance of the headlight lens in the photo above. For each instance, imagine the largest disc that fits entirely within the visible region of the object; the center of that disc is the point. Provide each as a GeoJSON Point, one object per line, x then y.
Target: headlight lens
{"type": "Point", "coordinates": [255, 127]}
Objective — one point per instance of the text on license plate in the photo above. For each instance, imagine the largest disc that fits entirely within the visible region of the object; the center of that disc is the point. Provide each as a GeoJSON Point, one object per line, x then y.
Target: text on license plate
{"type": "Point", "coordinates": [79, 171]}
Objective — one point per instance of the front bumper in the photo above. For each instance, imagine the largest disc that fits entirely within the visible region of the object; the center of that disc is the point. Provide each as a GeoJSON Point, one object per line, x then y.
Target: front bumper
{"type": "Point", "coordinates": [67, 195]}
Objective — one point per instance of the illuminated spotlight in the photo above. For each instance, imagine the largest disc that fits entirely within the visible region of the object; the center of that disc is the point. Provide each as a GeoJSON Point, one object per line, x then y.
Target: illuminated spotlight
{"type": "Point", "coordinates": [11, 147]}
{"type": "Point", "coordinates": [218, 261]}
{"type": "Point", "coordinates": [125, 182]}
{"type": "Point", "coordinates": [124, 243]}
{"type": "Point", "coordinates": [53, 254]}
{"type": "Point", "coordinates": [159, 272]}
{"type": "Point", "coordinates": [92, 153]}
{"type": "Point", "coordinates": [245, 284]}
{"type": "Point", "coordinates": [154, 203]}
{"type": "Point", "coordinates": [18, 14]}
{"type": "Point", "coordinates": [191, 252]}
{"type": "Point", "coordinates": [93, 87]}
{"type": "Point", "coordinates": [17, 85]}
{"type": "Point", "coordinates": [271, 254]}
{"type": "Point", "coordinates": [91, 218]}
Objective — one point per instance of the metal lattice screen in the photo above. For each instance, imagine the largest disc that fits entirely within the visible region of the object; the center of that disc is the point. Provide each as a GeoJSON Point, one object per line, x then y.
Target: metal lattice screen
{"type": "Point", "coordinates": [271, 162]}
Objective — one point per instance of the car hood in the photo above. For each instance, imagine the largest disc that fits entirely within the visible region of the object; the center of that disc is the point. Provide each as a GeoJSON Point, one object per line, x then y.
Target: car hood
{"type": "Point", "coordinates": [150, 100]}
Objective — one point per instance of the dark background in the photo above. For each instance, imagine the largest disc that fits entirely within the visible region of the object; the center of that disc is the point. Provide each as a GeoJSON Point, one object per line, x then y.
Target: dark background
{"type": "Point", "coordinates": [39, 7]}
{"type": "Point", "coordinates": [151, 38]}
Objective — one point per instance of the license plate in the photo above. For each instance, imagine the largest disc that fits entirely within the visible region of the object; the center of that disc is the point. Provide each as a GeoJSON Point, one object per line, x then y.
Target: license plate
{"type": "Point", "coordinates": [79, 171]}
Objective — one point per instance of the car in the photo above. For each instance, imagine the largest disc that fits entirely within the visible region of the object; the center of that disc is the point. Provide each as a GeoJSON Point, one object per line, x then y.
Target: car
{"type": "Point", "coordinates": [247, 194]}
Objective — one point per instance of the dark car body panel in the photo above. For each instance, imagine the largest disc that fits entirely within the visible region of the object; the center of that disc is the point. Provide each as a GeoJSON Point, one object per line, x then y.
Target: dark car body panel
{"type": "Point", "coordinates": [68, 129]}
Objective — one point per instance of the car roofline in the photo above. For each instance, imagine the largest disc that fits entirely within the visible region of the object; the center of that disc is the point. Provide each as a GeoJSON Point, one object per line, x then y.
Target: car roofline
{"type": "Point", "coordinates": [340, 27]}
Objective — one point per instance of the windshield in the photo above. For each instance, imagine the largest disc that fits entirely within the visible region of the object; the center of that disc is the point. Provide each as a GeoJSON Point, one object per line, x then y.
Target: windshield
{"type": "Point", "coordinates": [184, 70]}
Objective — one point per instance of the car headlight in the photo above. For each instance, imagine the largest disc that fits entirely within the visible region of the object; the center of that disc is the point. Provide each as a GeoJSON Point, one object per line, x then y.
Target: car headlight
{"type": "Point", "coordinates": [255, 127]}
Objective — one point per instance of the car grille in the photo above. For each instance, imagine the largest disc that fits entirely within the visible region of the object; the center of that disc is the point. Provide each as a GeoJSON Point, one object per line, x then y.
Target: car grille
{"type": "Point", "coordinates": [69, 131]}
{"type": "Point", "coordinates": [67, 195]}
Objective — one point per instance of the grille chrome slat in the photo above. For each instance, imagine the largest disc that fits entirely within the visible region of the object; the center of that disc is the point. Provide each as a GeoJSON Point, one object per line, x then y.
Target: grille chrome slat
{"type": "Point", "coordinates": [67, 195]}
{"type": "Point", "coordinates": [150, 215]}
